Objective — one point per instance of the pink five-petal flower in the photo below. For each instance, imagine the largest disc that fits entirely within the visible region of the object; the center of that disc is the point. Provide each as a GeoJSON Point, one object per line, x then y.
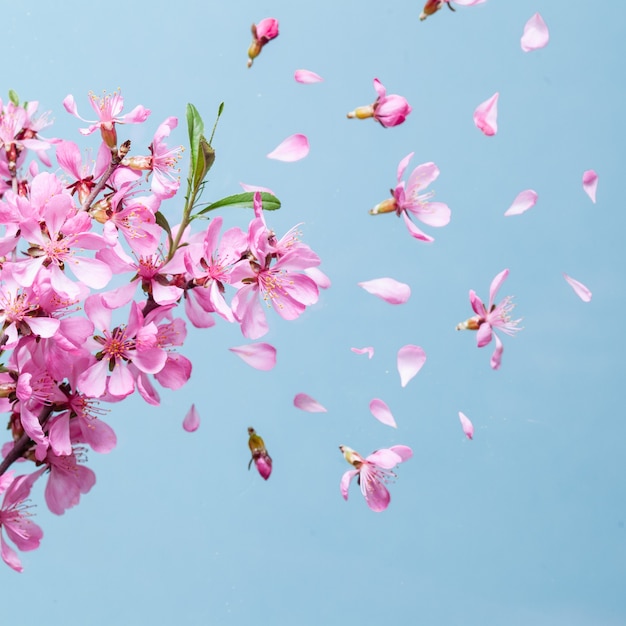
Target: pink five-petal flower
{"type": "Point", "coordinates": [523, 201]}
{"type": "Point", "coordinates": [582, 291]}
{"type": "Point", "coordinates": [535, 35]}
{"type": "Point", "coordinates": [466, 424]}
{"type": "Point", "coordinates": [382, 412]}
{"type": "Point", "coordinates": [590, 184]}
{"type": "Point", "coordinates": [387, 110]}
{"type": "Point", "coordinates": [387, 289]}
{"type": "Point", "coordinates": [486, 116]}
{"type": "Point", "coordinates": [261, 356]}
{"type": "Point", "coordinates": [262, 33]}
{"type": "Point", "coordinates": [372, 473]}
{"type": "Point", "coordinates": [191, 422]}
{"type": "Point", "coordinates": [294, 148]}
{"type": "Point", "coordinates": [306, 77]}
{"type": "Point", "coordinates": [410, 361]}
{"type": "Point", "coordinates": [369, 351]}
{"type": "Point", "coordinates": [306, 403]}
{"type": "Point", "coordinates": [492, 317]}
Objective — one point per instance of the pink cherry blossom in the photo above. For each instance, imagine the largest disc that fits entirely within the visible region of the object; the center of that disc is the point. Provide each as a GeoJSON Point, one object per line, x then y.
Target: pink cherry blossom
{"type": "Point", "coordinates": [262, 33]}
{"type": "Point", "coordinates": [580, 290]}
{"type": "Point", "coordinates": [306, 403]}
{"type": "Point", "coordinates": [466, 424]}
{"type": "Point", "coordinates": [492, 317]}
{"type": "Point", "coordinates": [523, 201]}
{"type": "Point", "coordinates": [306, 77]}
{"type": "Point", "coordinates": [369, 351]}
{"type": "Point", "coordinates": [590, 184]}
{"type": "Point", "coordinates": [387, 110]}
{"type": "Point", "coordinates": [410, 361]}
{"type": "Point", "coordinates": [191, 423]}
{"type": "Point", "coordinates": [68, 480]}
{"type": "Point", "coordinates": [535, 35]}
{"type": "Point", "coordinates": [432, 6]}
{"type": "Point", "coordinates": [382, 412]}
{"type": "Point", "coordinates": [408, 199]}
{"type": "Point", "coordinates": [372, 473]}
{"type": "Point", "coordinates": [293, 148]}
{"type": "Point", "coordinates": [261, 356]}
{"type": "Point", "coordinates": [486, 116]}
{"type": "Point", "coordinates": [388, 289]}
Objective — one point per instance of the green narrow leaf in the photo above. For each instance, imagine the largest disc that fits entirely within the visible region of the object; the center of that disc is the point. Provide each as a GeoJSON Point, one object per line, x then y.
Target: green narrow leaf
{"type": "Point", "coordinates": [13, 97]}
{"type": "Point", "coordinates": [195, 126]}
{"type": "Point", "coordinates": [161, 220]}
{"type": "Point", "coordinates": [245, 200]}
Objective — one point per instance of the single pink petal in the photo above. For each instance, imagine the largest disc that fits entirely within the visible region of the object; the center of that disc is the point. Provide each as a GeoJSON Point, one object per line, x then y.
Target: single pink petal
{"type": "Point", "coordinates": [496, 357]}
{"type": "Point", "coordinates": [385, 458]}
{"type": "Point", "coordinates": [484, 335]}
{"type": "Point", "coordinates": [579, 289]}
{"type": "Point", "coordinates": [345, 482]}
{"type": "Point", "coordinates": [318, 277]}
{"type": "Point", "coordinates": [388, 289]}
{"type": "Point", "coordinates": [590, 184]}
{"type": "Point", "coordinates": [373, 489]}
{"type": "Point", "coordinates": [261, 356]}
{"type": "Point", "coordinates": [256, 188]}
{"type": "Point", "coordinates": [496, 283]}
{"type": "Point", "coordinates": [306, 403]}
{"type": "Point", "coordinates": [369, 351]}
{"type": "Point", "coordinates": [404, 452]}
{"type": "Point", "coordinates": [306, 77]}
{"type": "Point", "coordinates": [410, 361]}
{"type": "Point", "coordinates": [382, 412]}
{"type": "Point", "coordinates": [523, 201]}
{"type": "Point", "coordinates": [535, 35]}
{"type": "Point", "coordinates": [486, 116]}
{"type": "Point", "coordinates": [192, 420]}
{"type": "Point", "coordinates": [468, 427]}
{"type": "Point", "coordinates": [293, 148]}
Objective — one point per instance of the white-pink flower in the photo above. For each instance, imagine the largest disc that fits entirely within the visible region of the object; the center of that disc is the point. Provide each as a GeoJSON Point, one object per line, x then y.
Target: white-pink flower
{"type": "Point", "coordinates": [387, 110]}
{"type": "Point", "coordinates": [262, 33]}
{"type": "Point", "coordinates": [432, 6]}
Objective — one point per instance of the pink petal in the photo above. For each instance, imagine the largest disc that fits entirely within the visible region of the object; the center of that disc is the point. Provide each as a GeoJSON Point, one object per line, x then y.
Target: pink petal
{"type": "Point", "coordinates": [385, 458]}
{"type": "Point", "coordinates": [369, 351]}
{"type": "Point", "coordinates": [410, 361]}
{"type": "Point", "coordinates": [523, 201]}
{"type": "Point", "coordinates": [404, 452]}
{"type": "Point", "coordinates": [192, 420]}
{"type": "Point", "coordinates": [468, 427]}
{"type": "Point", "coordinates": [535, 35]}
{"type": "Point", "coordinates": [261, 356]}
{"type": "Point", "coordinates": [317, 276]}
{"type": "Point", "coordinates": [306, 77]}
{"type": "Point", "coordinates": [579, 289]}
{"type": "Point", "coordinates": [388, 289]}
{"type": "Point", "coordinates": [486, 115]}
{"type": "Point", "coordinates": [255, 188]}
{"type": "Point", "coordinates": [306, 403]}
{"type": "Point", "coordinates": [345, 482]}
{"type": "Point", "coordinates": [496, 357]}
{"type": "Point", "coordinates": [293, 148]}
{"type": "Point", "coordinates": [382, 412]}
{"type": "Point", "coordinates": [590, 184]}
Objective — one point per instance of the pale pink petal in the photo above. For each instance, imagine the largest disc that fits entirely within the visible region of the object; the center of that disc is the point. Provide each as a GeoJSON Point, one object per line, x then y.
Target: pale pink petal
{"type": "Point", "coordinates": [306, 77]}
{"type": "Point", "coordinates": [385, 458]}
{"type": "Point", "coordinates": [486, 115]}
{"type": "Point", "coordinates": [535, 35]}
{"type": "Point", "coordinates": [306, 403]}
{"type": "Point", "coordinates": [382, 412]}
{"type": "Point", "coordinates": [256, 188]}
{"type": "Point", "coordinates": [369, 351]}
{"type": "Point", "coordinates": [388, 289]}
{"type": "Point", "coordinates": [590, 184]}
{"type": "Point", "coordinates": [345, 482]}
{"type": "Point", "coordinates": [192, 420]}
{"type": "Point", "coordinates": [318, 277]}
{"type": "Point", "coordinates": [496, 283]}
{"type": "Point", "coordinates": [468, 427]}
{"type": "Point", "coordinates": [468, 3]}
{"type": "Point", "coordinates": [523, 201]}
{"type": "Point", "coordinates": [496, 357]}
{"type": "Point", "coordinates": [293, 148]}
{"type": "Point", "coordinates": [484, 335]}
{"type": "Point", "coordinates": [410, 361]}
{"type": "Point", "coordinates": [404, 452]}
{"type": "Point", "coordinates": [579, 289]}
{"type": "Point", "coordinates": [261, 356]}
{"type": "Point", "coordinates": [415, 232]}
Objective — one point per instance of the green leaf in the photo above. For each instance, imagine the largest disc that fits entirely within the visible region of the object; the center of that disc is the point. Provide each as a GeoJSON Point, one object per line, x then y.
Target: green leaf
{"type": "Point", "coordinates": [13, 97]}
{"type": "Point", "coordinates": [161, 220]}
{"type": "Point", "coordinates": [195, 125]}
{"type": "Point", "coordinates": [246, 200]}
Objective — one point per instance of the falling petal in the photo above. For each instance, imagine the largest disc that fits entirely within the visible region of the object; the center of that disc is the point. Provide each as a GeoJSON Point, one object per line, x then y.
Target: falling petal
{"type": "Point", "coordinates": [410, 361]}
{"type": "Point", "coordinates": [255, 188]}
{"type": "Point", "coordinates": [261, 356]}
{"type": "Point", "coordinates": [306, 403]}
{"type": "Point", "coordinates": [192, 420]}
{"type": "Point", "coordinates": [523, 201]}
{"type": "Point", "coordinates": [306, 77]}
{"type": "Point", "coordinates": [535, 35]}
{"type": "Point", "coordinates": [388, 289]}
{"type": "Point", "coordinates": [293, 148]}
{"type": "Point", "coordinates": [468, 427]}
{"type": "Point", "coordinates": [486, 116]}
{"type": "Point", "coordinates": [369, 351]}
{"type": "Point", "coordinates": [382, 412]}
{"type": "Point", "coordinates": [590, 184]}
{"type": "Point", "coordinates": [579, 289]}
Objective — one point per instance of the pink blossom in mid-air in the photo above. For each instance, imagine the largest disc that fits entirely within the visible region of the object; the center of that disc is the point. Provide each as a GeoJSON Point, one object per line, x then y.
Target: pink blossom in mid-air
{"type": "Point", "coordinates": [262, 460]}
{"type": "Point", "coordinates": [492, 317]}
{"type": "Point", "coordinates": [261, 356]}
{"type": "Point", "coordinates": [387, 289]}
{"type": "Point", "coordinates": [306, 77]}
{"type": "Point", "coordinates": [409, 200]}
{"type": "Point", "coordinates": [382, 412]}
{"type": "Point", "coordinates": [293, 148]}
{"type": "Point", "coordinates": [369, 351]}
{"type": "Point", "coordinates": [486, 115]}
{"type": "Point", "coordinates": [262, 33]}
{"type": "Point", "coordinates": [373, 473]}
{"type": "Point", "coordinates": [523, 201]}
{"type": "Point", "coordinates": [432, 6]}
{"type": "Point", "coordinates": [582, 291]}
{"type": "Point", "coordinates": [466, 424]}
{"type": "Point", "coordinates": [191, 422]}
{"type": "Point", "coordinates": [387, 110]}
{"type": "Point", "coordinates": [590, 184]}
{"type": "Point", "coordinates": [306, 403]}
{"type": "Point", "coordinates": [410, 361]}
{"type": "Point", "coordinates": [535, 35]}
